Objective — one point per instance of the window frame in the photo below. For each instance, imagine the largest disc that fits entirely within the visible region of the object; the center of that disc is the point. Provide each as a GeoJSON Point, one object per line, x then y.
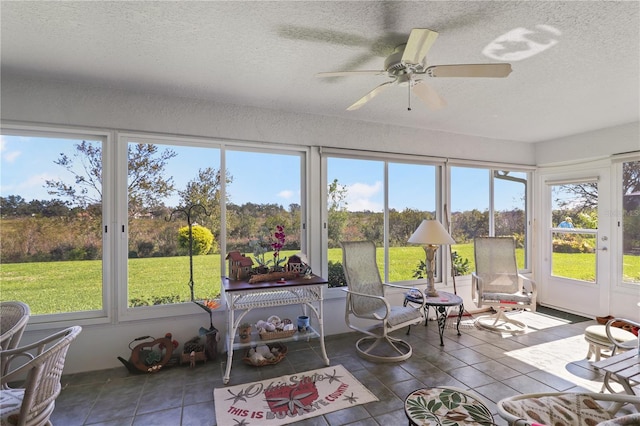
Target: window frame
{"type": "Point", "coordinates": [386, 159]}
{"type": "Point", "coordinates": [491, 169]}
{"type": "Point", "coordinates": [104, 315]}
{"type": "Point", "coordinates": [123, 312]}
{"type": "Point", "coordinates": [618, 199]}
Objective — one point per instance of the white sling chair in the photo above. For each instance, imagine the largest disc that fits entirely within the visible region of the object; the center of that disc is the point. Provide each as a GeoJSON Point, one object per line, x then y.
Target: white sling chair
{"type": "Point", "coordinates": [497, 283]}
{"type": "Point", "coordinates": [366, 301]}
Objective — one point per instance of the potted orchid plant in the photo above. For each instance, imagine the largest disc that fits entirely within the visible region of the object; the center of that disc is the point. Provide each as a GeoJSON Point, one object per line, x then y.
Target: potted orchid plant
{"type": "Point", "coordinates": [277, 244]}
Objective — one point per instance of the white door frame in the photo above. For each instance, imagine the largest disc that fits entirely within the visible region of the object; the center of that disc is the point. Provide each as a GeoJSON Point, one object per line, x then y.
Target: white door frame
{"type": "Point", "coordinates": [584, 298]}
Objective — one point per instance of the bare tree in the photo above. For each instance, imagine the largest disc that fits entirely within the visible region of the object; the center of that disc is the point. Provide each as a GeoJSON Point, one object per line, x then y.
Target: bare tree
{"type": "Point", "coordinates": [147, 185]}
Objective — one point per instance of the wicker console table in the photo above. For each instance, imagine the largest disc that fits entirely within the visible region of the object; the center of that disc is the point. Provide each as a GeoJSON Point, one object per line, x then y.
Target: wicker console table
{"type": "Point", "coordinates": [242, 297]}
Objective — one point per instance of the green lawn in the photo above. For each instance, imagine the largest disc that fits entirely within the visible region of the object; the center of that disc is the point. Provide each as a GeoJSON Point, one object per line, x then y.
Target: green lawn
{"type": "Point", "coordinates": [52, 287]}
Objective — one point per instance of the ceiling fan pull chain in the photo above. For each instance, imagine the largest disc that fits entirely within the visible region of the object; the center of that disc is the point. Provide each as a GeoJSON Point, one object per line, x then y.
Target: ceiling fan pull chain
{"type": "Point", "coordinates": [409, 96]}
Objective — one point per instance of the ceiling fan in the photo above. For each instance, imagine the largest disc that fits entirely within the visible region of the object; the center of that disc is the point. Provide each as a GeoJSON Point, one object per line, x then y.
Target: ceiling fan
{"type": "Point", "coordinates": [407, 64]}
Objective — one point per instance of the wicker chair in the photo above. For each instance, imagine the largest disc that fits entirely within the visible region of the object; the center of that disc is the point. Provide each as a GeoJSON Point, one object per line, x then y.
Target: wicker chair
{"type": "Point", "coordinates": [574, 409]}
{"type": "Point", "coordinates": [33, 402]}
{"type": "Point", "coordinates": [13, 320]}
{"type": "Point", "coordinates": [366, 301]}
{"type": "Point", "coordinates": [14, 317]}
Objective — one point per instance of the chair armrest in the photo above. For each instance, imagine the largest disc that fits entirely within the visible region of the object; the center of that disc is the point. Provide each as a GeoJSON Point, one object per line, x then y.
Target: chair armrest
{"type": "Point", "coordinates": [381, 298]}
{"type": "Point", "coordinates": [524, 279]}
{"type": "Point", "coordinates": [625, 345]}
{"type": "Point", "coordinates": [404, 287]}
{"type": "Point", "coordinates": [25, 351]}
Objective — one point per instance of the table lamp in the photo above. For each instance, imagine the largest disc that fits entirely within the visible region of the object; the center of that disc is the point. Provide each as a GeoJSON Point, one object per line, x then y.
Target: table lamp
{"type": "Point", "coordinates": [432, 234]}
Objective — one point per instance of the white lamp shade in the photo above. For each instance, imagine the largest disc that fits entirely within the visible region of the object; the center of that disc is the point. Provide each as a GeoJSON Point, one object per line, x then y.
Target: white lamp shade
{"type": "Point", "coordinates": [431, 232]}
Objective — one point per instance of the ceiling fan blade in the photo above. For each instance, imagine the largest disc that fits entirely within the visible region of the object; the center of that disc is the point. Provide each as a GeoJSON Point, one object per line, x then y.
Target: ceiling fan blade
{"type": "Point", "coordinates": [429, 96]}
{"type": "Point", "coordinates": [469, 70]}
{"type": "Point", "coordinates": [366, 98]}
{"type": "Point", "coordinates": [419, 43]}
{"type": "Point", "coordinates": [347, 73]}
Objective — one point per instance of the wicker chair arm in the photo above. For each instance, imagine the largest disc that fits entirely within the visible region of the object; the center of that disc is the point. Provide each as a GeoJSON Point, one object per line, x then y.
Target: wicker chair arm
{"type": "Point", "coordinates": [26, 352]}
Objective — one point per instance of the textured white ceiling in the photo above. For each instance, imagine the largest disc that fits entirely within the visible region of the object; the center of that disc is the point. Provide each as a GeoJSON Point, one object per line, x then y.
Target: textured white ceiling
{"type": "Point", "coordinates": [265, 54]}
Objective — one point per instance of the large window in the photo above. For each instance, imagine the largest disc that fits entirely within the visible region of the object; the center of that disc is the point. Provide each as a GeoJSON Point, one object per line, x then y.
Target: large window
{"type": "Point", "coordinates": [631, 222]}
{"type": "Point", "coordinates": [380, 201]}
{"type": "Point", "coordinates": [51, 222]}
{"type": "Point", "coordinates": [263, 194]}
{"type": "Point", "coordinates": [487, 202]}
{"type": "Point", "coordinates": [173, 190]}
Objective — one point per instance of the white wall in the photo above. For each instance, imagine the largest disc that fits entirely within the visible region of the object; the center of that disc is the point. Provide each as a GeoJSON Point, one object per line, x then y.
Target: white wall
{"type": "Point", "coordinates": [587, 146]}
{"type": "Point", "coordinates": [32, 100]}
{"type": "Point", "coordinates": [65, 104]}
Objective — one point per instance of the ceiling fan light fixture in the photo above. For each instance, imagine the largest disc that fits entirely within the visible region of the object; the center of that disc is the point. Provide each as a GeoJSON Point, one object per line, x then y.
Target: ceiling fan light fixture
{"type": "Point", "coordinates": [410, 60]}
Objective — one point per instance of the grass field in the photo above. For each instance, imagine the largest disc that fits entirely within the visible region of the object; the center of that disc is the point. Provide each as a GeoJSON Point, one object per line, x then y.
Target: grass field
{"type": "Point", "coordinates": [53, 287]}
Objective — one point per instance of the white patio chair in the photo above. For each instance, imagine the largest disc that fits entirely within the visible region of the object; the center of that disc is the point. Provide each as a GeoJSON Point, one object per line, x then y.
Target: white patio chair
{"type": "Point", "coordinates": [366, 301]}
{"type": "Point", "coordinates": [497, 283]}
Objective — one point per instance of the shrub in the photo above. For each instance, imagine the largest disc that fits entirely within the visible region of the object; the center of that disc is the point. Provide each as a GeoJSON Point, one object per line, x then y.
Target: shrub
{"type": "Point", "coordinates": [202, 239]}
{"type": "Point", "coordinates": [336, 275]}
{"type": "Point", "coordinates": [145, 248]}
{"type": "Point", "coordinates": [155, 300]}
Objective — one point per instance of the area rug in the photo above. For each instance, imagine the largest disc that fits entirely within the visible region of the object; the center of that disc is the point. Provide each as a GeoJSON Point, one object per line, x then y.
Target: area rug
{"type": "Point", "coordinates": [289, 398]}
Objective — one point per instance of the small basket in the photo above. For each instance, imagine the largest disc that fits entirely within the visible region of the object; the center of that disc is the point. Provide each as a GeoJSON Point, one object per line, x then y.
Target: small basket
{"type": "Point", "coordinates": [281, 355]}
{"type": "Point", "coordinates": [271, 335]}
{"type": "Point", "coordinates": [280, 334]}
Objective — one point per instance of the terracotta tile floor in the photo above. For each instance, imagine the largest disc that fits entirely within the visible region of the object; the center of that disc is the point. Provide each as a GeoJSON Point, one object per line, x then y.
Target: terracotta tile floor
{"type": "Point", "coordinates": [550, 356]}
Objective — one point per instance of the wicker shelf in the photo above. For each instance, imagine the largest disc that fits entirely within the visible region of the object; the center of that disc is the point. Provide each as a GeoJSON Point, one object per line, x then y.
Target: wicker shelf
{"type": "Point", "coordinates": [255, 339]}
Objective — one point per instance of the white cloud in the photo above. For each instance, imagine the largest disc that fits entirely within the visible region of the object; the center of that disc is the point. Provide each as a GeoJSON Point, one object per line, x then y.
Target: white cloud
{"type": "Point", "coordinates": [359, 197]}
{"type": "Point", "coordinates": [8, 156]}
{"type": "Point", "coordinates": [286, 194]}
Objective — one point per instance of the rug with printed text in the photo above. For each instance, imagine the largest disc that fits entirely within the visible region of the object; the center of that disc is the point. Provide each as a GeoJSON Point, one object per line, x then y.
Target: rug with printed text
{"type": "Point", "coordinates": [290, 398]}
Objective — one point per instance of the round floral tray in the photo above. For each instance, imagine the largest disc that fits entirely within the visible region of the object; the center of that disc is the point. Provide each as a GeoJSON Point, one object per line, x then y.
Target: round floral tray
{"type": "Point", "coordinates": [282, 353]}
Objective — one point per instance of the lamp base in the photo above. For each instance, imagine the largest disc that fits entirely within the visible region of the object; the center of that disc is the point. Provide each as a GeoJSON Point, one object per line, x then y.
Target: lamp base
{"type": "Point", "coordinates": [431, 292]}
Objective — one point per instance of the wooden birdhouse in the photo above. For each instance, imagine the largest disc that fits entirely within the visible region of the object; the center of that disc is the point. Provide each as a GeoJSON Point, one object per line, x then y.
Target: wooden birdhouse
{"type": "Point", "coordinates": [295, 264]}
{"type": "Point", "coordinates": [239, 265]}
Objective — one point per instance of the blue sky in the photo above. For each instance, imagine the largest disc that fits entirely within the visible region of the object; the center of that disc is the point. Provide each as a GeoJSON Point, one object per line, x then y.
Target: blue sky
{"type": "Point", "coordinates": [263, 178]}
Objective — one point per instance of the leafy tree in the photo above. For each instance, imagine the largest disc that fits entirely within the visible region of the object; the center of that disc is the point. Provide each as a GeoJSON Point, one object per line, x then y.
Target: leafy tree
{"type": "Point", "coordinates": [205, 190]}
{"type": "Point", "coordinates": [202, 239]}
{"type": "Point", "coordinates": [147, 186]}
{"type": "Point", "coordinates": [337, 214]}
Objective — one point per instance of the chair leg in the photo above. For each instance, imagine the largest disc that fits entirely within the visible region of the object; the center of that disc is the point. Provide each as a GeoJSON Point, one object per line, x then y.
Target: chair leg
{"type": "Point", "coordinates": [500, 323]}
{"type": "Point", "coordinates": [390, 349]}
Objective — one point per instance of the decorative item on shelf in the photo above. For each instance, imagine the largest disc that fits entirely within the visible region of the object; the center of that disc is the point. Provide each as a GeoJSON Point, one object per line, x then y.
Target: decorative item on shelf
{"type": "Point", "coordinates": [211, 335]}
{"type": "Point", "coordinates": [244, 331]}
{"type": "Point", "coordinates": [303, 324]}
{"type": "Point", "coordinates": [275, 328]}
{"type": "Point", "coordinates": [193, 351]}
{"type": "Point", "coordinates": [272, 276]}
{"type": "Point", "coordinates": [267, 354]}
{"type": "Point", "coordinates": [431, 233]}
{"type": "Point", "coordinates": [240, 266]}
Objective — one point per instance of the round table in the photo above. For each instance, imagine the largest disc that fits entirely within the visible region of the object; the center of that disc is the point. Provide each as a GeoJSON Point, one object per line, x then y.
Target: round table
{"type": "Point", "coordinates": [441, 304]}
{"type": "Point", "coordinates": [432, 406]}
